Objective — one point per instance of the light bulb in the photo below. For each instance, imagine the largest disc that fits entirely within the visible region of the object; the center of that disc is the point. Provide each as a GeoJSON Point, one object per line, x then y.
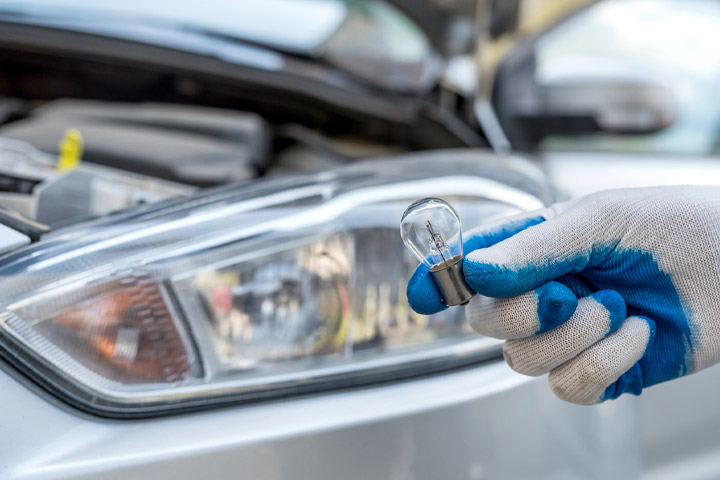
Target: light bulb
{"type": "Point", "coordinates": [431, 229]}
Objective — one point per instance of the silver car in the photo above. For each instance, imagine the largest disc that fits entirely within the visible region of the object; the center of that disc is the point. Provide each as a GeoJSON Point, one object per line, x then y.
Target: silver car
{"type": "Point", "coordinates": [202, 274]}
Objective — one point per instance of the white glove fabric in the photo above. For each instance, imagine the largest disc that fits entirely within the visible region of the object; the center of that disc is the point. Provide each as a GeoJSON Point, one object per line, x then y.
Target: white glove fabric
{"type": "Point", "coordinates": [608, 294]}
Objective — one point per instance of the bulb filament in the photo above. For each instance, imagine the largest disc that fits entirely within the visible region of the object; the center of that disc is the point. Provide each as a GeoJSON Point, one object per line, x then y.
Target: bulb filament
{"type": "Point", "coordinates": [437, 240]}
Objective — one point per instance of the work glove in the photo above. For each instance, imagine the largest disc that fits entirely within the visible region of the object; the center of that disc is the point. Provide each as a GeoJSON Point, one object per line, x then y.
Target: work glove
{"type": "Point", "coordinates": [609, 293]}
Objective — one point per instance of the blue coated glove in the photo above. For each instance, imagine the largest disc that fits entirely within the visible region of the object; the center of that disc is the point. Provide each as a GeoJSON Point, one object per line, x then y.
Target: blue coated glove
{"type": "Point", "coordinates": [608, 294]}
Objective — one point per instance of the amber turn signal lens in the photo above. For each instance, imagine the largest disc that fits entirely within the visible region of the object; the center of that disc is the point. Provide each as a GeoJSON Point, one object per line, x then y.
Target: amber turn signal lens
{"type": "Point", "coordinates": [128, 335]}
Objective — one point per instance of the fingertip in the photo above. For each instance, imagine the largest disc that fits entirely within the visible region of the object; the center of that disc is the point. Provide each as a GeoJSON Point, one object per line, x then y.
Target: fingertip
{"type": "Point", "coordinates": [422, 294]}
{"type": "Point", "coordinates": [608, 369]}
{"type": "Point", "coordinates": [615, 305]}
{"type": "Point", "coordinates": [632, 381]}
{"type": "Point", "coordinates": [556, 304]}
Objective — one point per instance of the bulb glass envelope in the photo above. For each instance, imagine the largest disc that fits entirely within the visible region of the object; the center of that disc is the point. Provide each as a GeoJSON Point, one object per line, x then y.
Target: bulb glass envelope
{"type": "Point", "coordinates": [282, 287]}
{"type": "Point", "coordinates": [431, 229]}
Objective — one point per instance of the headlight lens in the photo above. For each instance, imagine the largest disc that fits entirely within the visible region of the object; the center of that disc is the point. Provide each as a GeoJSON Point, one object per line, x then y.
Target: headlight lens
{"type": "Point", "coordinates": [285, 287]}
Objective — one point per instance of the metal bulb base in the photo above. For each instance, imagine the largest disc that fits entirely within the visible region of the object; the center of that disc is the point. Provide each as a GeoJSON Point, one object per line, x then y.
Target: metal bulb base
{"type": "Point", "coordinates": [451, 283]}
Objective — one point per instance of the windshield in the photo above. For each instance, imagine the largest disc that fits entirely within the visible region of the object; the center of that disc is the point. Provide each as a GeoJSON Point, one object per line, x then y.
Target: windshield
{"type": "Point", "coordinates": [393, 53]}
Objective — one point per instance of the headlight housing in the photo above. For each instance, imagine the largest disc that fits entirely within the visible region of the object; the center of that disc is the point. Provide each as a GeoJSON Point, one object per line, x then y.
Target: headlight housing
{"type": "Point", "coordinates": [286, 286]}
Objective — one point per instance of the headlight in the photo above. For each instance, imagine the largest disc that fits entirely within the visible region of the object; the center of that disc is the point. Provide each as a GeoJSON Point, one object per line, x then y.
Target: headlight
{"type": "Point", "coordinates": [286, 286]}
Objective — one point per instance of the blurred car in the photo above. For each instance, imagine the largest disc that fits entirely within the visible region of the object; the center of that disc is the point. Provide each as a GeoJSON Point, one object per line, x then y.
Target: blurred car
{"type": "Point", "coordinates": [202, 272]}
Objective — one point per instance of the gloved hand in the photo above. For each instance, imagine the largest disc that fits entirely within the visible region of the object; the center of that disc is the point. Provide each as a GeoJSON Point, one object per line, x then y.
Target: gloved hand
{"type": "Point", "coordinates": [609, 293]}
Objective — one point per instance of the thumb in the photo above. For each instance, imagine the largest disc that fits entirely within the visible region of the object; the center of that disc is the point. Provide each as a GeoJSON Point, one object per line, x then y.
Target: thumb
{"type": "Point", "coordinates": [564, 243]}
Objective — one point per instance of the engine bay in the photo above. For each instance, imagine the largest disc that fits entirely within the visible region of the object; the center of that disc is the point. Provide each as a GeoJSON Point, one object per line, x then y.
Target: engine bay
{"type": "Point", "coordinates": [158, 121]}
{"type": "Point", "coordinates": [134, 153]}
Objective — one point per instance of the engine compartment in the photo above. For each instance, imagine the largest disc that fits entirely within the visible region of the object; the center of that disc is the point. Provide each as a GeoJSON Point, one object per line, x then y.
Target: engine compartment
{"type": "Point", "coordinates": [144, 152]}
{"type": "Point", "coordinates": [169, 121]}
{"type": "Point", "coordinates": [198, 146]}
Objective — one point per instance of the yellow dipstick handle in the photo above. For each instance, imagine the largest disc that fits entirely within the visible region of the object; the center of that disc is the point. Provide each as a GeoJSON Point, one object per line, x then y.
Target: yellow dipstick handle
{"type": "Point", "coordinates": [71, 150]}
